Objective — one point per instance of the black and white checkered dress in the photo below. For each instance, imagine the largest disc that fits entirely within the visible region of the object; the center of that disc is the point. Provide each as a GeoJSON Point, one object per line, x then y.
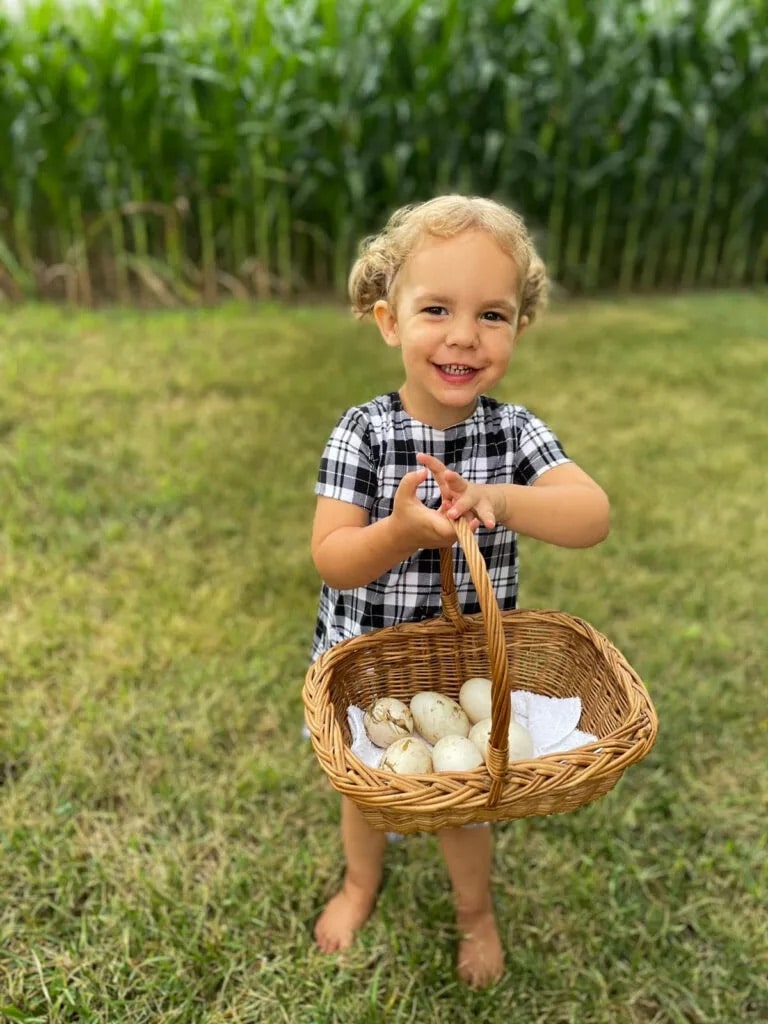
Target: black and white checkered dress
{"type": "Point", "coordinates": [369, 451]}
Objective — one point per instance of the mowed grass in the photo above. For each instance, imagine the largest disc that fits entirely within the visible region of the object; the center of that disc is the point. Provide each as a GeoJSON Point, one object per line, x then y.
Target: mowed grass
{"type": "Point", "coordinates": [167, 838]}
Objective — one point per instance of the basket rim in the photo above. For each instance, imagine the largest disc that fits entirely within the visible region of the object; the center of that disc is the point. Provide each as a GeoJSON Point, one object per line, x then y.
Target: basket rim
{"type": "Point", "coordinates": [375, 782]}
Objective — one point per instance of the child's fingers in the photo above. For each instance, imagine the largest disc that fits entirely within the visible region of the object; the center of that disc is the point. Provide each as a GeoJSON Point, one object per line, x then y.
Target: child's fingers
{"type": "Point", "coordinates": [460, 506]}
{"type": "Point", "coordinates": [472, 521]}
{"type": "Point", "coordinates": [411, 482]}
{"type": "Point", "coordinates": [441, 473]}
{"type": "Point", "coordinates": [482, 510]}
{"type": "Point", "coordinates": [433, 464]}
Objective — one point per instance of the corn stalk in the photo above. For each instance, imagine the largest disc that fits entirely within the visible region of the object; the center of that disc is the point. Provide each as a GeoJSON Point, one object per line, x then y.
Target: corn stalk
{"type": "Point", "coordinates": [176, 151]}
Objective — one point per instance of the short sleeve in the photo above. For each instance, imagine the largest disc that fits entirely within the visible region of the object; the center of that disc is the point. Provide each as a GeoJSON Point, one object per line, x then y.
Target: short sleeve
{"type": "Point", "coordinates": [347, 470]}
{"type": "Point", "coordinates": [537, 450]}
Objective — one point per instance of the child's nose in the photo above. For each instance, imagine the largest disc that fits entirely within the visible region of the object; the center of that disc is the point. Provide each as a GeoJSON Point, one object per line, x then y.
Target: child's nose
{"type": "Point", "coordinates": [463, 332]}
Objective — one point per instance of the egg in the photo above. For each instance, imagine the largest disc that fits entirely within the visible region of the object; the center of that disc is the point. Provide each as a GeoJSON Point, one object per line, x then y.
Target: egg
{"type": "Point", "coordinates": [435, 716]}
{"type": "Point", "coordinates": [455, 754]}
{"type": "Point", "coordinates": [407, 756]}
{"type": "Point", "coordinates": [388, 719]}
{"type": "Point", "coordinates": [519, 739]}
{"type": "Point", "coordinates": [475, 698]}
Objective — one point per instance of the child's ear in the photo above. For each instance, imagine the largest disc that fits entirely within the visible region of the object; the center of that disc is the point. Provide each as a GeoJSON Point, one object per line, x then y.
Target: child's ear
{"type": "Point", "coordinates": [522, 323]}
{"type": "Point", "coordinates": [386, 321]}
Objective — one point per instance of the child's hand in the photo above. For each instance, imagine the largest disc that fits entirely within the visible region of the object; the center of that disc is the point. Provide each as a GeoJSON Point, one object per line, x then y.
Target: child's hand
{"type": "Point", "coordinates": [419, 526]}
{"type": "Point", "coordinates": [463, 498]}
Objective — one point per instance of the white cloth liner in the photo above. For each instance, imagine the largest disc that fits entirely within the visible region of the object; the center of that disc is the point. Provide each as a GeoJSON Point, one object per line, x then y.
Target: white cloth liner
{"type": "Point", "coordinates": [551, 721]}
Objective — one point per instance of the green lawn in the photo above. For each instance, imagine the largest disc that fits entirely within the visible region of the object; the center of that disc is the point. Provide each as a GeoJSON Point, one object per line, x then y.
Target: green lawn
{"type": "Point", "coordinates": [166, 837]}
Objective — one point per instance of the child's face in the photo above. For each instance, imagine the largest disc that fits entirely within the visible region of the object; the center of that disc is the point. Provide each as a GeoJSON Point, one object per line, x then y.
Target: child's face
{"type": "Point", "coordinates": [455, 318]}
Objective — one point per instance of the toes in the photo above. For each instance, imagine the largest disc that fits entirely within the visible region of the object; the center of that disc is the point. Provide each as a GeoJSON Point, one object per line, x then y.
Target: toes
{"type": "Point", "coordinates": [478, 978]}
{"type": "Point", "coordinates": [330, 941]}
{"type": "Point", "coordinates": [480, 965]}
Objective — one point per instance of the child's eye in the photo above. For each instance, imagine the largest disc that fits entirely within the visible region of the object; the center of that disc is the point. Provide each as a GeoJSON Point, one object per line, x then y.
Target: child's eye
{"type": "Point", "coordinates": [435, 310]}
{"type": "Point", "coordinates": [494, 317]}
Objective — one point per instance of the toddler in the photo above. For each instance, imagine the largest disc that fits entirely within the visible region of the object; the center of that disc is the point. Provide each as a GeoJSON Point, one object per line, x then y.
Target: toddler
{"type": "Point", "coordinates": [452, 283]}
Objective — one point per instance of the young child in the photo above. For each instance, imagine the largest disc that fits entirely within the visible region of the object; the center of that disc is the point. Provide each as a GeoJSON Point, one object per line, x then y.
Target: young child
{"type": "Point", "coordinates": [452, 283]}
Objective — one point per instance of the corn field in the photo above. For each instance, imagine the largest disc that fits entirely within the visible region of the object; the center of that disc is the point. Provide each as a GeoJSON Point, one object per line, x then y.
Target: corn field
{"type": "Point", "coordinates": [173, 151]}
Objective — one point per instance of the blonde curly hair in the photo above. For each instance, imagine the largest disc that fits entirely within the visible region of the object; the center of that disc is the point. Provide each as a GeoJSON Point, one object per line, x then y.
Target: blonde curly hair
{"type": "Point", "coordinates": [381, 256]}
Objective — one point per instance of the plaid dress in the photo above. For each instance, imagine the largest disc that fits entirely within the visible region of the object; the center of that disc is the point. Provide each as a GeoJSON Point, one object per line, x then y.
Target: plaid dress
{"type": "Point", "coordinates": [369, 451]}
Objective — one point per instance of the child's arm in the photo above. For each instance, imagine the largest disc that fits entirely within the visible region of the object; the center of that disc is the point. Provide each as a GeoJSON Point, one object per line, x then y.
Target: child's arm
{"type": "Point", "coordinates": [563, 506]}
{"type": "Point", "coordinates": [349, 551]}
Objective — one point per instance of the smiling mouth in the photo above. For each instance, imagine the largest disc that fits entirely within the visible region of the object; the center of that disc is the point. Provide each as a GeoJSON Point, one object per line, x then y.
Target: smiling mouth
{"type": "Point", "coordinates": [456, 369]}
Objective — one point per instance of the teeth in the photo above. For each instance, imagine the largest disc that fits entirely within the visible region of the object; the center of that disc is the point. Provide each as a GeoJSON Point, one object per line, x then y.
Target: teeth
{"type": "Point", "coordinates": [455, 368]}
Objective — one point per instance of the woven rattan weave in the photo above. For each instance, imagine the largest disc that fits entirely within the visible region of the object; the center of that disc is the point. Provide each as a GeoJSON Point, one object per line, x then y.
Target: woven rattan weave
{"type": "Point", "coordinates": [547, 652]}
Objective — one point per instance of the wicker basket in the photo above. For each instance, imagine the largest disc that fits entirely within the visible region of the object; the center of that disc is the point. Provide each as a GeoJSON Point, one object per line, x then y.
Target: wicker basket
{"type": "Point", "coordinates": [545, 652]}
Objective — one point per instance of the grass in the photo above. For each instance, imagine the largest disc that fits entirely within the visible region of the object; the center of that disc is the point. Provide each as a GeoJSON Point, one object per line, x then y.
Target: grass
{"type": "Point", "coordinates": [166, 838]}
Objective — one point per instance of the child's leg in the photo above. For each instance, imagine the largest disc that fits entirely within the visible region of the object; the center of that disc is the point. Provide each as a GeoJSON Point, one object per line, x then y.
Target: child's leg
{"type": "Point", "coordinates": [353, 903]}
{"type": "Point", "coordinates": [468, 856]}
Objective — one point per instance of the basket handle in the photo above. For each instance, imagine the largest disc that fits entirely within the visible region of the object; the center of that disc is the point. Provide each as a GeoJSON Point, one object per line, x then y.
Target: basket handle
{"type": "Point", "coordinates": [501, 705]}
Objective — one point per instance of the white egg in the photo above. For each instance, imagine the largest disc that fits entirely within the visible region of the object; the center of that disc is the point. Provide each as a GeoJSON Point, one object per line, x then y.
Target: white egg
{"type": "Point", "coordinates": [479, 734]}
{"type": "Point", "coordinates": [455, 754]}
{"type": "Point", "coordinates": [407, 756]}
{"type": "Point", "coordinates": [436, 715]}
{"type": "Point", "coordinates": [475, 698]}
{"type": "Point", "coordinates": [519, 739]}
{"type": "Point", "coordinates": [388, 719]}
{"type": "Point", "coordinates": [520, 742]}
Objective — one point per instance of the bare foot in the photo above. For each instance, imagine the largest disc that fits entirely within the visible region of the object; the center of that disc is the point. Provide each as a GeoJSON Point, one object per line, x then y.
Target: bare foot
{"type": "Point", "coordinates": [481, 959]}
{"type": "Point", "coordinates": [344, 914]}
